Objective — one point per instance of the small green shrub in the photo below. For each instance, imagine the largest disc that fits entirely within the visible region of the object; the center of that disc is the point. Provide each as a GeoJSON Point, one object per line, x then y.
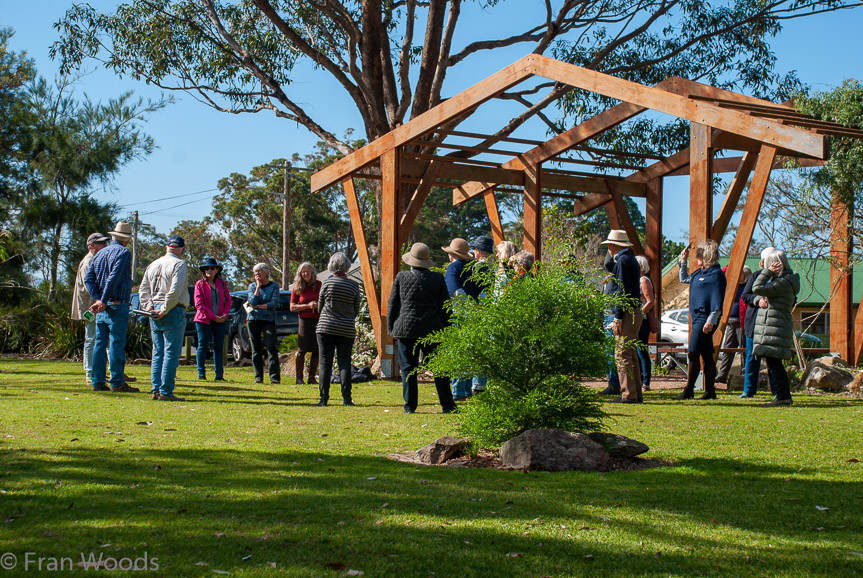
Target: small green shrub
{"type": "Point", "coordinates": [63, 338]}
{"type": "Point", "coordinates": [289, 343]}
{"type": "Point", "coordinates": [499, 414]}
{"type": "Point", "coordinates": [139, 341]}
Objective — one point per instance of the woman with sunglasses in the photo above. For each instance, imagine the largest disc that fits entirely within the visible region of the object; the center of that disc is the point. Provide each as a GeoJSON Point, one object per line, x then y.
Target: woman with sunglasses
{"type": "Point", "coordinates": [212, 306]}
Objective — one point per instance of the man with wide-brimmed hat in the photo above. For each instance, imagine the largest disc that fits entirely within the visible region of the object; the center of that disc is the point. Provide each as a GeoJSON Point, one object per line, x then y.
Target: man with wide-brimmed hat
{"type": "Point", "coordinates": [626, 274]}
{"type": "Point", "coordinates": [164, 293]}
{"type": "Point", "coordinates": [109, 282]}
{"type": "Point", "coordinates": [415, 309]}
{"type": "Point", "coordinates": [81, 302]}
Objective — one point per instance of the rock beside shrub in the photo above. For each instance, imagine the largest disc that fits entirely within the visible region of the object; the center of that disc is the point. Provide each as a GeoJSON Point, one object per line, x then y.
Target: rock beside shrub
{"type": "Point", "coordinates": [554, 450]}
{"type": "Point", "coordinates": [619, 446]}
{"type": "Point", "coordinates": [442, 450]}
{"type": "Point", "coordinates": [826, 377]}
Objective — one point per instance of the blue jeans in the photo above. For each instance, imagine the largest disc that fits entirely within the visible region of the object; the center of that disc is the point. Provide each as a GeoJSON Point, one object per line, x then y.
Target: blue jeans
{"type": "Point", "coordinates": [644, 352]}
{"type": "Point", "coordinates": [478, 383]}
{"type": "Point", "coordinates": [409, 353]}
{"type": "Point", "coordinates": [167, 335]}
{"type": "Point", "coordinates": [753, 368]}
{"type": "Point", "coordinates": [89, 346]}
{"type": "Point", "coordinates": [111, 327]}
{"type": "Point", "coordinates": [462, 388]}
{"type": "Point", "coordinates": [340, 347]}
{"type": "Point", "coordinates": [216, 332]}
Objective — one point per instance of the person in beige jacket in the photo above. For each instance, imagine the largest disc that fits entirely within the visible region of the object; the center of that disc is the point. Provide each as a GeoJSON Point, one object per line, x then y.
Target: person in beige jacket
{"type": "Point", "coordinates": [81, 302]}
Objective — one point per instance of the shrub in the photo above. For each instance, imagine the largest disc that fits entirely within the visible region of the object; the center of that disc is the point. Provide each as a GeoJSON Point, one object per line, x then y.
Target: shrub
{"type": "Point", "coordinates": [139, 341]}
{"type": "Point", "coordinates": [533, 339]}
{"type": "Point", "coordinates": [63, 338]}
{"type": "Point", "coordinates": [289, 343]}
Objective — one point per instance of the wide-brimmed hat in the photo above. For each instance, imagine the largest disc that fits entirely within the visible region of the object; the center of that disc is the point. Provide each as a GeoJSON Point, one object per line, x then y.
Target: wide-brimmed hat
{"type": "Point", "coordinates": [419, 256]}
{"type": "Point", "coordinates": [459, 248]}
{"type": "Point", "coordinates": [484, 244]}
{"type": "Point", "coordinates": [122, 230]}
{"type": "Point", "coordinates": [210, 262]}
{"type": "Point", "coordinates": [617, 237]}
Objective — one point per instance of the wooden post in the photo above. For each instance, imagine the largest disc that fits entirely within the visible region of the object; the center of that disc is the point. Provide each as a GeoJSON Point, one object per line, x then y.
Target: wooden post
{"type": "Point", "coordinates": [653, 240]}
{"type": "Point", "coordinates": [365, 262]}
{"type": "Point", "coordinates": [493, 216]}
{"type": "Point", "coordinates": [390, 213]}
{"type": "Point", "coordinates": [533, 210]}
{"type": "Point", "coordinates": [624, 219]}
{"type": "Point", "coordinates": [733, 196]}
{"type": "Point", "coordinates": [841, 328]}
{"type": "Point", "coordinates": [613, 217]}
{"type": "Point", "coordinates": [700, 187]}
{"type": "Point", "coordinates": [745, 229]}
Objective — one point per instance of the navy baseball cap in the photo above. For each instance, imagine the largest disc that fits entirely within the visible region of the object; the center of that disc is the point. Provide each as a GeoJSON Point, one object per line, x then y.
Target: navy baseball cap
{"type": "Point", "coordinates": [176, 241]}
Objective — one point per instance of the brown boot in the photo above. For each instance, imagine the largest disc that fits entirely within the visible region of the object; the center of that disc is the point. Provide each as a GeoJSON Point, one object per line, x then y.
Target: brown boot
{"type": "Point", "coordinates": [299, 361]}
{"type": "Point", "coordinates": [313, 369]}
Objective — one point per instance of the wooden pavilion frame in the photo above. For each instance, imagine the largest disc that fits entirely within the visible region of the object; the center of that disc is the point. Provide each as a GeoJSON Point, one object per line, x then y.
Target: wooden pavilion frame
{"type": "Point", "coordinates": [766, 133]}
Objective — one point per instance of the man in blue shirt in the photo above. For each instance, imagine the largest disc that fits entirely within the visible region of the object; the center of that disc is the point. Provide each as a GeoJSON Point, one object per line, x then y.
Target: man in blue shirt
{"type": "Point", "coordinates": [109, 282]}
{"type": "Point", "coordinates": [625, 284]}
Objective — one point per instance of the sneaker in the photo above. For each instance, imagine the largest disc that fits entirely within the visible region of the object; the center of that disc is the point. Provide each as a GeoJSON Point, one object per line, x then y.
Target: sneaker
{"type": "Point", "coordinates": [646, 388]}
{"type": "Point", "coordinates": [610, 391]}
{"type": "Point", "coordinates": [275, 382]}
{"type": "Point", "coordinates": [155, 396]}
{"type": "Point", "coordinates": [171, 397]}
{"type": "Point", "coordinates": [409, 410]}
{"type": "Point", "coordinates": [776, 402]}
{"type": "Point", "coordinates": [745, 395]}
{"type": "Point", "coordinates": [321, 403]}
{"type": "Point", "coordinates": [259, 380]}
{"type": "Point", "coordinates": [101, 388]}
{"type": "Point", "coordinates": [125, 389]}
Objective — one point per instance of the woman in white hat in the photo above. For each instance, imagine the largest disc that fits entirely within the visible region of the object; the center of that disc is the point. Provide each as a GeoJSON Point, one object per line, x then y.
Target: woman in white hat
{"type": "Point", "coordinates": [415, 309]}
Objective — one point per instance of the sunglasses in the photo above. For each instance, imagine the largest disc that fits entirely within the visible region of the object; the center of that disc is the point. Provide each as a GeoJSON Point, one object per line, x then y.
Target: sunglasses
{"type": "Point", "coordinates": [211, 268]}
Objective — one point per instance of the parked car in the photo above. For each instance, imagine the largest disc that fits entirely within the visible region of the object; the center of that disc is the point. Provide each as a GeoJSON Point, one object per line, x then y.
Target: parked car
{"type": "Point", "coordinates": [287, 323]}
{"type": "Point", "coordinates": [191, 331]}
{"type": "Point", "coordinates": [675, 329]}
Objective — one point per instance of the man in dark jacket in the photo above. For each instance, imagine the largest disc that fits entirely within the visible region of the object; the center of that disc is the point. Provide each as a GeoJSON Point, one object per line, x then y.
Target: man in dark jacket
{"type": "Point", "coordinates": [625, 284]}
{"type": "Point", "coordinates": [415, 309]}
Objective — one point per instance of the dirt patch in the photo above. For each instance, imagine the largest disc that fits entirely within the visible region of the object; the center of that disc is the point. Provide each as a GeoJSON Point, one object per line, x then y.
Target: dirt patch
{"type": "Point", "coordinates": [490, 459]}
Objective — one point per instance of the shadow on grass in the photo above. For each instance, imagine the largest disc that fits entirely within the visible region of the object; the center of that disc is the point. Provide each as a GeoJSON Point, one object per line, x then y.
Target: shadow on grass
{"type": "Point", "coordinates": [305, 510]}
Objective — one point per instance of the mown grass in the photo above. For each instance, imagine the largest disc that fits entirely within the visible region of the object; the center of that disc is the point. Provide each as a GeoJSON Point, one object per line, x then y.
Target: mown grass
{"type": "Point", "coordinates": [254, 481]}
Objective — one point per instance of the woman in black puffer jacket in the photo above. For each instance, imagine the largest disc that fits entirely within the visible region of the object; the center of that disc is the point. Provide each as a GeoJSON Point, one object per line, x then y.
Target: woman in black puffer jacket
{"type": "Point", "coordinates": [415, 309]}
{"type": "Point", "coordinates": [773, 340]}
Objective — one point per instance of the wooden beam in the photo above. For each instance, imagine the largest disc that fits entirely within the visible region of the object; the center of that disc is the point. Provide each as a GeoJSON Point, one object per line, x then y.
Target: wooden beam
{"type": "Point", "coordinates": [389, 263]}
{"type": "Point", "coordinates": [700, 187]}
{"type": "Point", "coordinates": [589, 203]}
{"type": "Point", "coordinates": [841, 338]}
{"type": "Point", "coordinates": [661, 168]}
{"type": "Point", "coordinates": [533, 210]}
{"type": "Point", "coordinates": [732, 164]}
{"type": "Point", "coordinates": [763, 130]}
{"type": "Point", "coordinates": [419, 197]}
{"type": "Point", "coordinates": [732, 197]}
{"type": "Point", "coordinates": [625, 219]}
{"type": "Point", "coordinates": [653, 239]}
{"type": "Point", "coordinates": [365, 262]}
{"type": "Point", "coordinates": [493, 216]}
{"type": "Point", "coordinates": [613, 217]}
{"type": "Point", "coordinates": [452, 108]}
{"type": "Point", "coordinates": [748, 220]}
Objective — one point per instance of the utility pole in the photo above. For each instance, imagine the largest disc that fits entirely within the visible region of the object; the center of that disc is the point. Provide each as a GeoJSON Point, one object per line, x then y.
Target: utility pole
{"type": "Point", "coordinates": [134, 244]}
{"type": "Point", "coordinates": [286, 230]}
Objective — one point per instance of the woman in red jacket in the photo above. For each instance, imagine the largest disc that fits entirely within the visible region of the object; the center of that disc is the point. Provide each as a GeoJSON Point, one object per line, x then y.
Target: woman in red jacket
{"type": "Point", "coordinates": [212, 306]}
{"type": "Point", "coordinates": [304, 302]}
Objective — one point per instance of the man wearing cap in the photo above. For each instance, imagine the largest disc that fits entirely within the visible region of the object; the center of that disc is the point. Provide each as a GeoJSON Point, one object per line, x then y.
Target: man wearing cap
{"type": "Point", "coordinates": [164, 293]}
{"type": "Point", "coordinates": [625, 284]}
{"type": "Point", "coordinates": [81, 302]}
{"type": "Point", "coordinates": [483, 248]}
{"type": "Point", "coordinates": [109, 283]}
{"type": "Point", "coordinates": [459, 285]}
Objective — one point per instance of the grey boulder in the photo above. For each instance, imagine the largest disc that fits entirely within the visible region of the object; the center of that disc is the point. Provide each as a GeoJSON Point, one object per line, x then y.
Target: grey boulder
{"type": "Point", "coordinates": [826, 377]}
{"type": "Point", "coordinates": [619, 446]}
{"type": "Point", "coordinates": [441, 450]}
{"type": "Point", "coordinates": [554, 450]}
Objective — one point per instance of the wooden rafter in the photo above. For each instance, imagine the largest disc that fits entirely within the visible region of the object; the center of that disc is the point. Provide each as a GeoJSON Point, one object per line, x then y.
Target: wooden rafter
{"type": "Point", "coordinates": [732, 197]}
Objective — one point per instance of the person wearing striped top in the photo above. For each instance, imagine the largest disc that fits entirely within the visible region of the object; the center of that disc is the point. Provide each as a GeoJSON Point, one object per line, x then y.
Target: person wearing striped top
{"type": "Point", "coordinates": [339, 304]}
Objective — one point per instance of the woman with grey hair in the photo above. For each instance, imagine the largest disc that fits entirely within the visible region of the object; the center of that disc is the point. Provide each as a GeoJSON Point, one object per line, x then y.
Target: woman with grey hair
{"type": "Point", "coordinates": [777, 285]}
{"type": "Point", "coordinates": [706, 292]}
{"type": "Point", "coordinates": [648, 301]}
{"type": "Point", "coordinates": [264, 300]}
{"type": "Point", "coordinates": [339, 304]}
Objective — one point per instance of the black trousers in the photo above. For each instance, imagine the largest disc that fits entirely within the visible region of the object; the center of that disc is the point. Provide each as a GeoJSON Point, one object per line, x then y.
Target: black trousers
{"type": "Point", "coordinates": [263, 334]}
{"type": "Point", "coordinates": [409, 355]}
{"type": "Point", "coordinates": [783, 387]}
{"type": "Point", "coordinates": [340, 347]}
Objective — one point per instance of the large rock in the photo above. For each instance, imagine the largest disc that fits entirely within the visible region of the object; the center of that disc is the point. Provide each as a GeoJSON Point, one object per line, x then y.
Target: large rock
{"type": "Point", "coordinates": [441, 450]}
{"type": "Point", "coordinates": [856, 386]}
{"type": "Point", "coordinates": [617, 445]}
{"type": "Point", "coordinates": [554, 450]}
{"type": "Point", "coordinates": [826, 377]}
{"type": "Point", "coordinates": [832, 361]}
{"type": "Point", "coordinates": [734, 383]}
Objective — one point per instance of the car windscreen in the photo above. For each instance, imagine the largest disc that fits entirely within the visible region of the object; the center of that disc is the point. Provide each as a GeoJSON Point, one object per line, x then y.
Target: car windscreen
{"type": "Point", "coordinates": [284, 302]}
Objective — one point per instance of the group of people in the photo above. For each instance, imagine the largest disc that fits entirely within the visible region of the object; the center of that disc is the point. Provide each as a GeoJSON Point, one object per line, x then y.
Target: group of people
{"type": "Point", "coordinates": [417, 307]}
{"type": "Point", "coordinates": [763, 301]}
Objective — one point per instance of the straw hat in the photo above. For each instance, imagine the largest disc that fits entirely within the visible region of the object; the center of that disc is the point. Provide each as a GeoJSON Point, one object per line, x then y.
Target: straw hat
{"type": "Point", "coordinates": [122, 230]}
{"type": "Point", "coordinates": [419, 256]}
{"type": "Point", "coordinates": [459, 248]}
{"type": "Point", "coordinates": [617, 237]}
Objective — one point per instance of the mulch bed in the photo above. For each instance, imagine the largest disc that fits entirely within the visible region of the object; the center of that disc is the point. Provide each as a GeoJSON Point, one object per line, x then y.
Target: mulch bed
{"type": "Point", "coordinates": [490, 459]}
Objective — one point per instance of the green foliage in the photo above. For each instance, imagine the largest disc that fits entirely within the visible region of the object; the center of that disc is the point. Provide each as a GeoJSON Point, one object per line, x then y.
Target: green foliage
{"type": "Point", "coordinates": [500, 413]}
{"type": "Point", "coordinates": [20, 327]}
{"type": "Point", "coordinates": [533, 338]}
{"type": "Point", "coordinates": [139, 341]}
{"type": "Point", "coordinates": [63, 338]}
{"type": "Point", "coordinates": [289, 343]}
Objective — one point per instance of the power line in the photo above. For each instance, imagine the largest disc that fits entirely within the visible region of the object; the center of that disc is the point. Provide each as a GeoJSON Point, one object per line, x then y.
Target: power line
{"type": "Point", "coordinates": [176, 206]}
{"type": "Point", "coordinates": [174, 197]}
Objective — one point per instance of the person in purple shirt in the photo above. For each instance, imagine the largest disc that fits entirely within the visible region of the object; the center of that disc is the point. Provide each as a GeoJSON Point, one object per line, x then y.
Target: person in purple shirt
{"type": "Point", "coordinates": [109, 282]}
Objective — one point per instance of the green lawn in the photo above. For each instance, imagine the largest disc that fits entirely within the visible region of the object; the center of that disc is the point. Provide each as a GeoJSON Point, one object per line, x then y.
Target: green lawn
{"type": "Point", "coordinates": [254, 481]}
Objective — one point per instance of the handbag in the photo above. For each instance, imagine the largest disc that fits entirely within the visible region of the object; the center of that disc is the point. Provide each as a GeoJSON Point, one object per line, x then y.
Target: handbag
{"type": "Point", "coordinates": [653, 322]}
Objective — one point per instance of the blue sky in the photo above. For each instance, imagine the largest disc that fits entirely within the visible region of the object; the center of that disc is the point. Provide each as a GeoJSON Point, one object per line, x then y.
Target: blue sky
{"type": "Point", "coordinates": [198, 145]}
